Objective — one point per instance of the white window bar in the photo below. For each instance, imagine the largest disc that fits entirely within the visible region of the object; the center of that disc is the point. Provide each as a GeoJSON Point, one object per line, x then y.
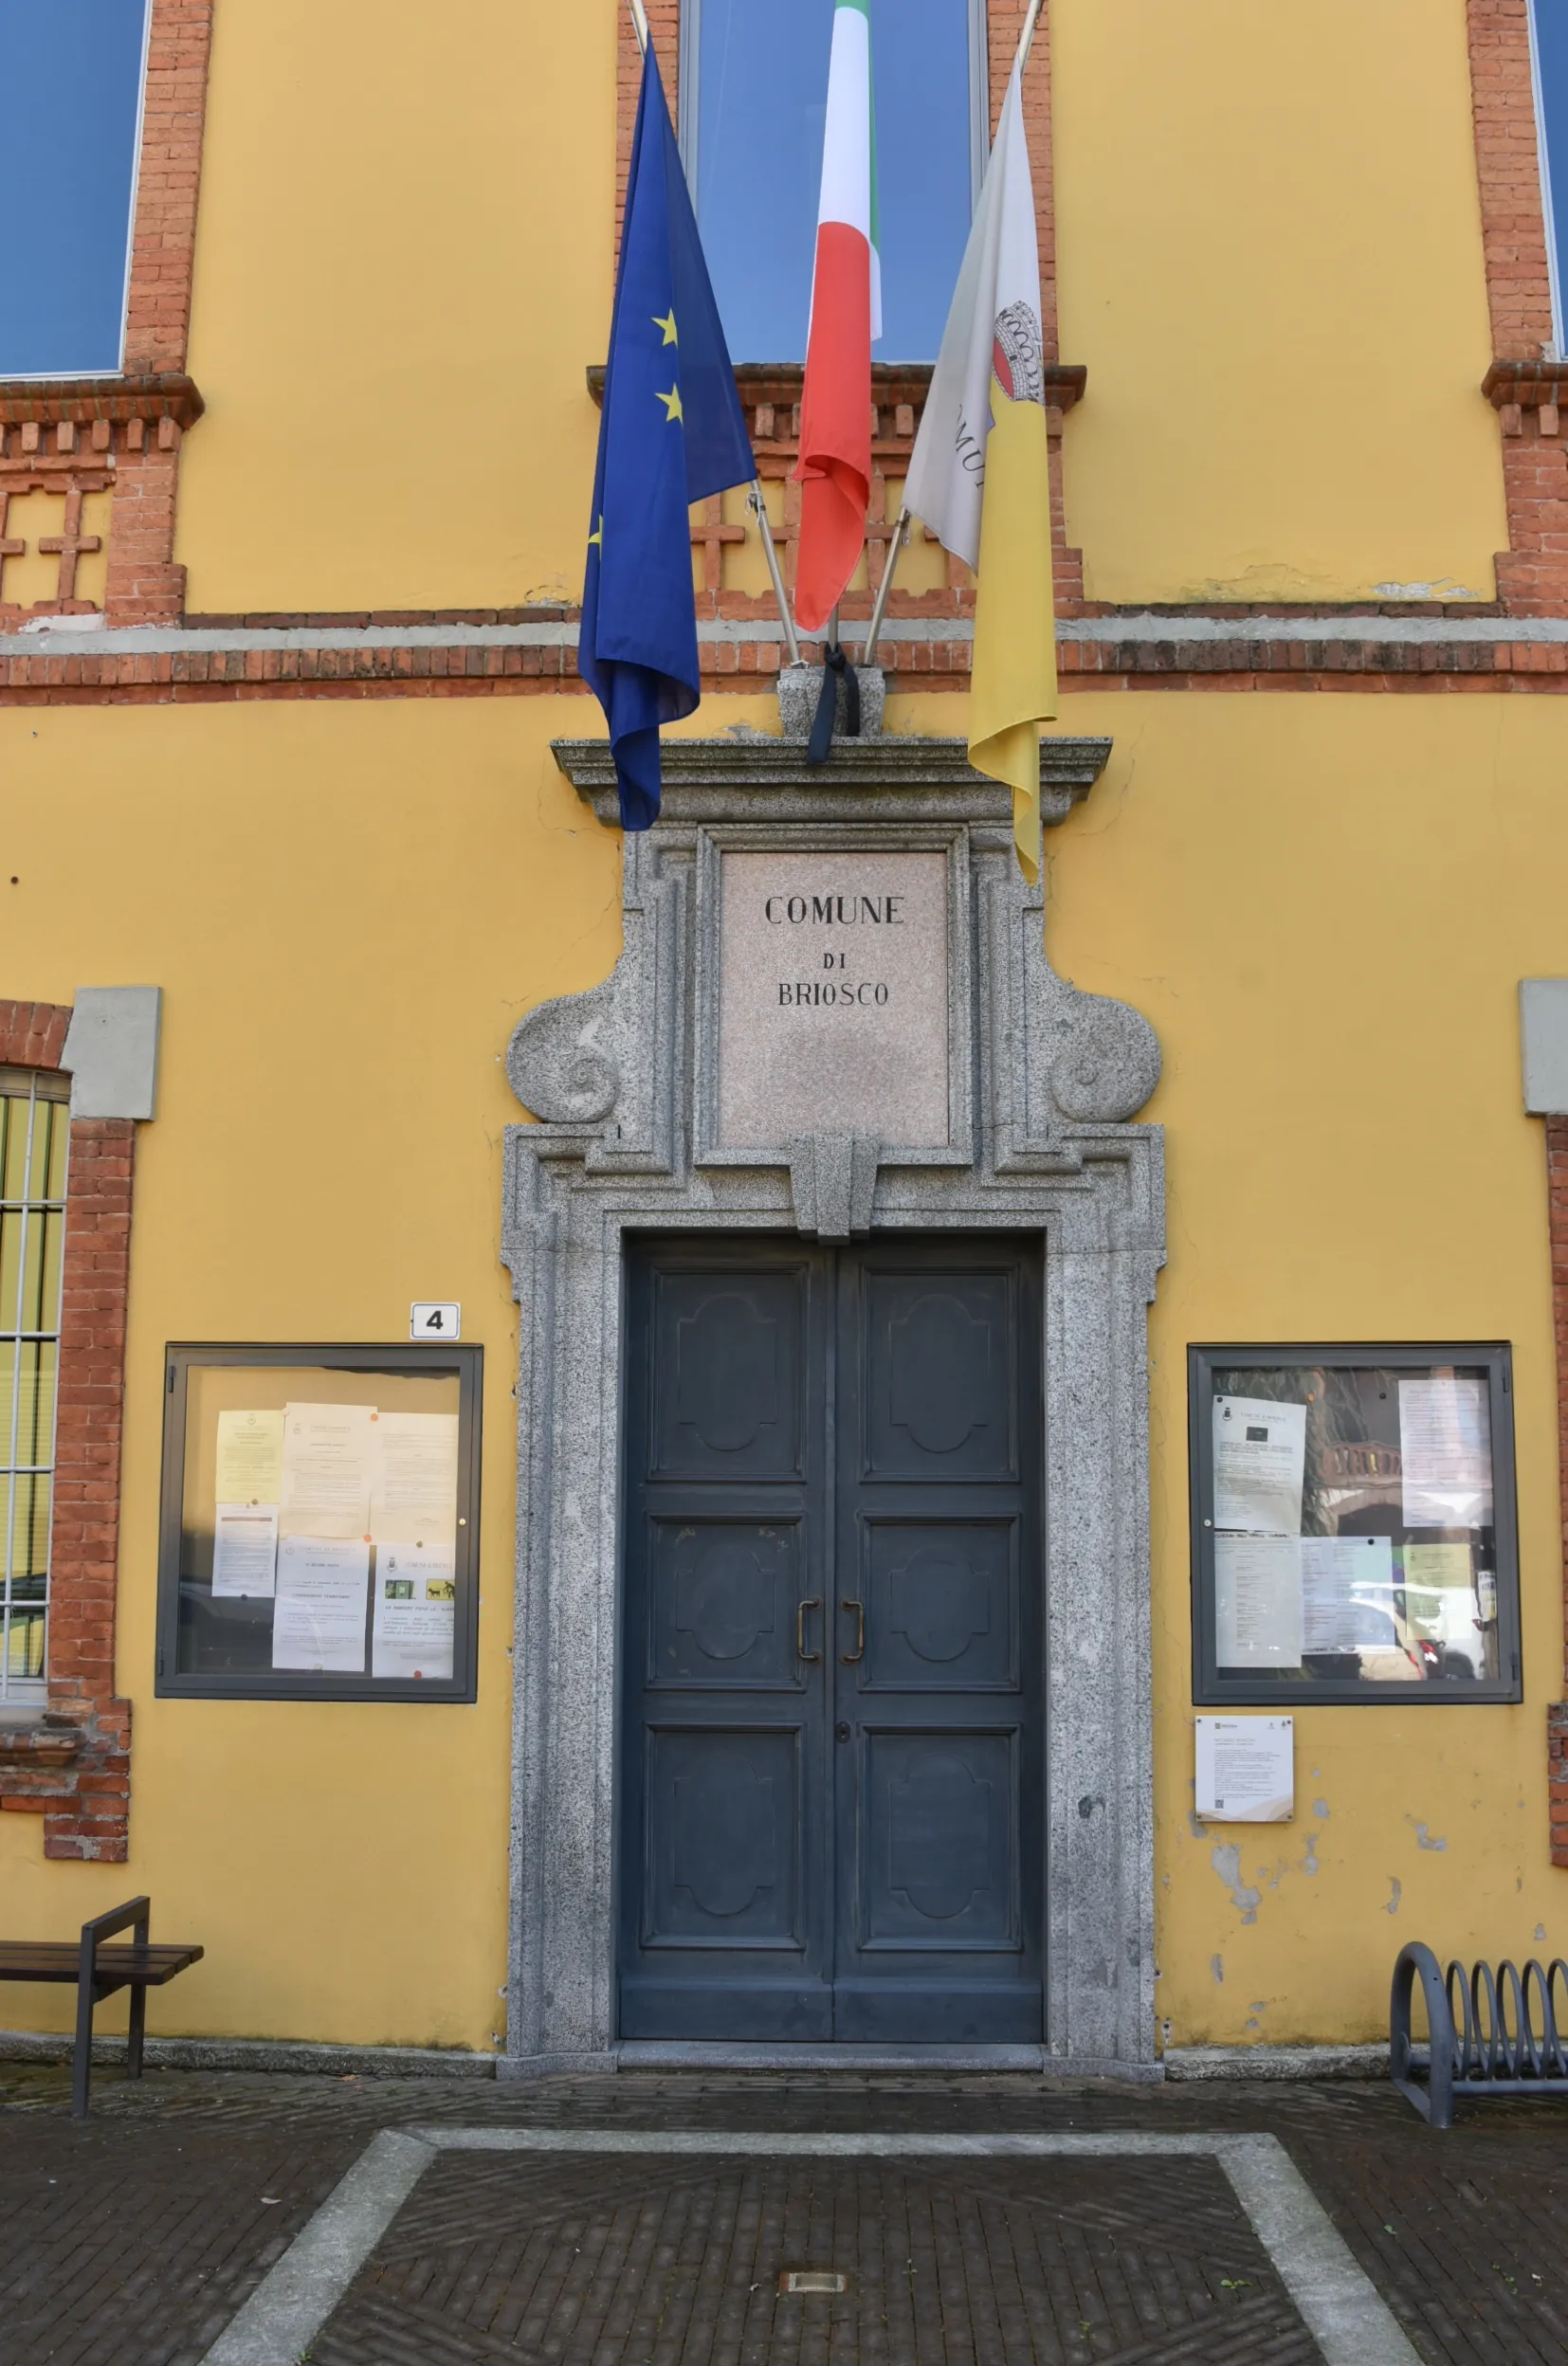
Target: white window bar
{"type": "Point", "coordinates": [34, 1130]}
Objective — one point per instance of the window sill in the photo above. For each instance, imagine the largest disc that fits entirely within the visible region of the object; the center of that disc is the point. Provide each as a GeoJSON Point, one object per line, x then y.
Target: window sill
{"type": "Point", "coordinates": [31, 1735]}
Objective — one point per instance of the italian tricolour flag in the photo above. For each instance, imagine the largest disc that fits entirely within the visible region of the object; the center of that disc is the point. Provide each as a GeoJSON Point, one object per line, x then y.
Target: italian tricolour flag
{"type": "Point", "coordinates": [835, 404]}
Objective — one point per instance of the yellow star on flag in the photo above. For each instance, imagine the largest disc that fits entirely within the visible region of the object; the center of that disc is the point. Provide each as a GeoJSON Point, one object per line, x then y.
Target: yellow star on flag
{"type": "Point", "coordinates": [597, 538]}
{"type": "Point", "coordinates": [667, 326]}
{"type": "Point", "coordinates": [671, 402]}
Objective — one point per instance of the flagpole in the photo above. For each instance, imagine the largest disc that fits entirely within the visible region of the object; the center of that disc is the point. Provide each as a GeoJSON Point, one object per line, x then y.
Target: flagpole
{"type": "Point", "coordinates": [879, 608]}
{"type": "Point", "coordinates": [639, 24]}
{"type": "Point", "coordinates": [765, 527]}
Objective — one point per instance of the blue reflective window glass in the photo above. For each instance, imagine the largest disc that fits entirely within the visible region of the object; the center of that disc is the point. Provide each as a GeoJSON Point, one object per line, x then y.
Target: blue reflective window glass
{"type": "Point", "coordinates": [762, 95]}
{"type": "Point", "coordinates": [70, 84]}
{"type": "Point", "coordinates": [1551, 30]}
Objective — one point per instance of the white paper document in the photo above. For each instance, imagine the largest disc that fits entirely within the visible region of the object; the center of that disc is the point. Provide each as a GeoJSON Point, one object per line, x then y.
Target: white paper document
{"type": "Point", "coordinates": [416, 1616]}
{"type": "Point", "coordinates": [1445, 1445]}
{"type": "Point", "coordinates": [319, 1621]}
{"type": "Point", "coordinates": [326, 1489]}
{"type": "Point", "coordinates": [1258, 1601]}
{"type": "Point", "coordinates": [1246, 1770]}
{"type": "Point", "coordinates": [1260, 1456]}
{"type": "Point", "coordinates": [1347, 1594]}
{"type": "Point", "coordinates": [413, 1477]}
{"type": "Point", "coordinates": [251, 1456]}
{"type": "Point", "coordinates": [244, 1549]}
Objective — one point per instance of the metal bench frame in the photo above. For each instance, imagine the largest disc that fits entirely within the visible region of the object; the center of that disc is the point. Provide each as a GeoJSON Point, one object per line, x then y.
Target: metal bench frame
{"type": "Point", "coordinates": [137, 1967]}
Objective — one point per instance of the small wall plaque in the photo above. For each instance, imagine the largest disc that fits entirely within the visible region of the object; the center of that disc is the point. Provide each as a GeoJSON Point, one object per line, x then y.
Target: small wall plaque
{"type": "Point", "coordinates": [435, 1319]}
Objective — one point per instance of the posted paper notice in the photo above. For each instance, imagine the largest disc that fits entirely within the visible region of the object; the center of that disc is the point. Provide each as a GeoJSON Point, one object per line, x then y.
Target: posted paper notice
{"type": "Point", "coordinates": [326, 1489]}
{"type": "Point", "coordinates": [319, 1619]}
{"type": "Point", "coordinates": [251, 1456]}
{"type": "Point", "coordinates": [1258, 1601]}
{"type": "Point", "coordinates": [1347, 1594]}
{"type": "Point", "coordinates": [413, 1477]}
{"type": "Point", "coordinates": [1446, 1448]}
{"type": "Point", "coordinates": [244, 1549]}
{"type": "Point", "coordinates": [415, 1617]}
{"type": "Point", "coordinates": [1260, 1457]}
{"type": "Point", "coordinates": [1246, 1770]}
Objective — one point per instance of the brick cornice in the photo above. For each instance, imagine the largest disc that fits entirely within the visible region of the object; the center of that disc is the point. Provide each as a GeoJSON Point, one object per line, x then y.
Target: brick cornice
{"type": "Point", "coordinates": [78, 402]}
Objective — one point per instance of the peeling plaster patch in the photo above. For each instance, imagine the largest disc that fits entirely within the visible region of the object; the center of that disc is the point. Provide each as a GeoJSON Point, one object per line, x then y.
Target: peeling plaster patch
{"type": "Point", "coordinates": [1423, 1837]}
{"type": "Point", "coordinates": [1393, 1906]}
{"type": "Point", "coordinates": [1541, 1931]}
{"type": "Point", "coordinates": [1320, 1807]}
{"type": "Point", "coordinates": [1226, 1861]}
{"type": "Point", "coordinates": [1199, 1830]}
{"type": "Point", "coordinates": [1445, 589]}
{"type": "Point", "coordinates": [1216, 1965]}
{"type": "Point", "coordinates": [1309, 1862]}
{"type": "Point", "coordinates": [1252, 2023]}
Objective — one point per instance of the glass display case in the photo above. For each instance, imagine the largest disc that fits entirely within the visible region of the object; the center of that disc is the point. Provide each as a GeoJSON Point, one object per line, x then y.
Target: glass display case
{"type": "Point", "coordinates": [1353, 1531]}
{"type": "Point", "coordinates": [320, 1522]}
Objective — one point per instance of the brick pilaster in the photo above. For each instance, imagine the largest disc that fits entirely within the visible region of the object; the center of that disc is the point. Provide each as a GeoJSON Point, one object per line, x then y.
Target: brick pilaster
{"type": "Point", "coordinates": [1532, 574]}
{"type": "Point", "coordinates": [74, 1768]}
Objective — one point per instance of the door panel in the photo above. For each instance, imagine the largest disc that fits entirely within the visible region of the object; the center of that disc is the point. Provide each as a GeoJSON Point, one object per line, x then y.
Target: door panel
{"type": "Point", "coordinates": [832, 1769]}
{"type": "Point", "coordinates": [724, 1838]}
{"type": "Point", "coordinates": [941, 1604]}
{"type": "Point", "coordinates": [939, 1857]}
{"type": "Point", "coordinates": [940, 1352]}
{"type": "Point", "coordinates": [721, 1604]}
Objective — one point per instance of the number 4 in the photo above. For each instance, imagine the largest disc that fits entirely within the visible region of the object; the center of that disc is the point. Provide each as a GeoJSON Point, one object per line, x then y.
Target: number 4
{"type": "Point", "coordinates": [433, 1321]}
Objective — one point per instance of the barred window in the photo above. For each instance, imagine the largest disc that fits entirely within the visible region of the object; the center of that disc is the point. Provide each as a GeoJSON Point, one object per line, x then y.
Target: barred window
{"type": "Point", "coordinates": [34, 1129]}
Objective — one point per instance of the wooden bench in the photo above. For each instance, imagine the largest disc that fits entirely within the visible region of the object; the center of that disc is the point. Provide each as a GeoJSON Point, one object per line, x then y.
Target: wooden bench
{"type": "Point", "coordinates": [98, 1971]}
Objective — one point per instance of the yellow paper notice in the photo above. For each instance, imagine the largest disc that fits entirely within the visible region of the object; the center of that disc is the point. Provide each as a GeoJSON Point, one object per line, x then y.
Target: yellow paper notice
{"type": "Point", "coordinates": [250, 1458]}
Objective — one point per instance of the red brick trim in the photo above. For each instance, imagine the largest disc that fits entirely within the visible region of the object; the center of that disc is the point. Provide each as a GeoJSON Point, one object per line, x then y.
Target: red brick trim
{"type": "Point", "coordinates": [1532, 574]}
{"type": "Point", "coordinates": [74, 1768]}
{"type": "Point", "coordinates": [57, 446]}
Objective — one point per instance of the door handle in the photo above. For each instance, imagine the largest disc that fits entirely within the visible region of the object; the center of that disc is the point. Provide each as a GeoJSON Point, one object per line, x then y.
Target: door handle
{"type": "Point", "coordinates": [812, 1602]}
{"type": "Point", "coordinates": [848, 1657]}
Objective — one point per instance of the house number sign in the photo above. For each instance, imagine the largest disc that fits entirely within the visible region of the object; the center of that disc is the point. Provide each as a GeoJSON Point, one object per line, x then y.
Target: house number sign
{"type": "Point", "coordinates": [832, 997]}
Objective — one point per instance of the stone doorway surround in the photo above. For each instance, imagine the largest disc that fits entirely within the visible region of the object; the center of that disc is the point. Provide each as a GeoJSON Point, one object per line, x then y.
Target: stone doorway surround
{"type": "Point", "coordinates": [623, 1081]}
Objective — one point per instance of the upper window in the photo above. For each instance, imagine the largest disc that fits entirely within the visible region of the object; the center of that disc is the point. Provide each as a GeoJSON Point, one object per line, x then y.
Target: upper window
{"type": "Point", "coordinates": [752, 112]}
{"type": "Point", "coordinates": [72, 79]}
{"type": "Point", "coordinates": [1549, 44]}
{"type": "Point", "coordinates": [34, 1126]}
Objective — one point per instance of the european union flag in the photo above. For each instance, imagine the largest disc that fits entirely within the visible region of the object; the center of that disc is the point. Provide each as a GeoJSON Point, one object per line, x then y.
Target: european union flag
{"type": "Point", "coordinates": [673, 433]}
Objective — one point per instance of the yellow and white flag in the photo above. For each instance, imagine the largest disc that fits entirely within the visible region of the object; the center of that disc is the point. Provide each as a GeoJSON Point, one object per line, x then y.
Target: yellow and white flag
{"type": "Point", "coordinates": [980, 476]}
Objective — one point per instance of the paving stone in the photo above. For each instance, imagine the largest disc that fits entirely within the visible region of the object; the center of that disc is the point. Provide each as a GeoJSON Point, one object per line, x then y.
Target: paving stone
{"type": "Point", "coordinates": [132, 2240]}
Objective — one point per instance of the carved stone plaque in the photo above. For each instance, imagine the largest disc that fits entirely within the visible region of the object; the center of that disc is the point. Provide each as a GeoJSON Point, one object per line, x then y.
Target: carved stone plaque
{"type": "Point", "coordinates": [833, 997]}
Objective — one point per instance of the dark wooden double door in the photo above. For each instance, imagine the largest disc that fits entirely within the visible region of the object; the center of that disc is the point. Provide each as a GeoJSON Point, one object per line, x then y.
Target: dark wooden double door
{"type": "Point", "coordinates": [832, 1754]}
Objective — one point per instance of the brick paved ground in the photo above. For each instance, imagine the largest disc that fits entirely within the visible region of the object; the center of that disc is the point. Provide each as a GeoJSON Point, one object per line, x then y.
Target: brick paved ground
{"type": "Point", "coordinates": [131, 2241]}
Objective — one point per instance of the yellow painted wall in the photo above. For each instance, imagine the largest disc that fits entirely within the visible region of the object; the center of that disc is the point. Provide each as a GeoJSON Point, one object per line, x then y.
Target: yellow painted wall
{"type": "Point", "coordinates": [1324, 905]}
{"type": "Point", "coordinates": [1268, 253]}
{"type": "Point", "coordinates": [403, 270]}
{"type": "Point", "coordinates": [348, 910]}
{"type": "Point", "coordinates": [1268, 247]}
